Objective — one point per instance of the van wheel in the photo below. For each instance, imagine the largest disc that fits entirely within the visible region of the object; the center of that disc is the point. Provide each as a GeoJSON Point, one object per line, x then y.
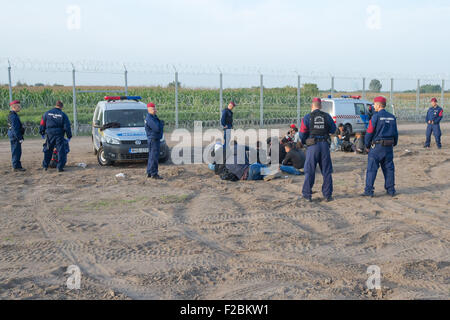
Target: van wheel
{"type": "Point", "coordinates": [166, 157]}
{"type": "Point", "coordinates": [348, 128]}
{"type": "Point", "coordinates": [102, 158]}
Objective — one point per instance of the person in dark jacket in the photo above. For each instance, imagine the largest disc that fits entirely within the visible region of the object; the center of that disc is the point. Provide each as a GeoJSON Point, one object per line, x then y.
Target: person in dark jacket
{"type": "Point", "coordinates": [433, 118]}
{"type": "Point", "coordinates": [381, 138]}
{"type": "Point", "coordinates": [15, 134]}
{"type": "Point", "coordinates": [227, 122]}
{"type": "Point", "coordinates": [154, 129]}
{"type": "Point", "coordinates": [54, 125]}
{"type": "Point", "coordinates": [238, 164]}
{"type": "Point", "coordinates": [294, 160]}
{"type": "Point", "coordinates": [315, 131]}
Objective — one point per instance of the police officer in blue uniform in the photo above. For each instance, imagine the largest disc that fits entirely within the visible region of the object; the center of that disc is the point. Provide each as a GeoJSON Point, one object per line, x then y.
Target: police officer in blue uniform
{"type": "Point", "coordinates": [154, 129]}
{"type": "Point", "coordinates": [315, 131]}
{"type": "Point", "coordinates": [54, 125]}
{"type": "Point", "coordinates": [381, 137]}
{"type": "Point", "coordinates": [434, 117]}
{"type": "Point", "coordinates": [227, 122]}
{"type": "Point", "coordinates": [15, 134]}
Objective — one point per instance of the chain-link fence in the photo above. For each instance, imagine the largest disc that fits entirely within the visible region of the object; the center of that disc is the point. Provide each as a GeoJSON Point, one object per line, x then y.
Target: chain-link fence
{"type": "Point", "coordinates": [185, 94]}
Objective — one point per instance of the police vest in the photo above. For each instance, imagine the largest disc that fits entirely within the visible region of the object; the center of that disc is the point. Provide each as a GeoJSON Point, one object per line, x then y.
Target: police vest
{"type": "Point", "coordinates": [318, 125]}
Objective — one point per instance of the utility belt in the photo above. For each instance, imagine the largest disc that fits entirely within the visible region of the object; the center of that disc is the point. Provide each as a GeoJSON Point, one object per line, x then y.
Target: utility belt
{"type": "Point", "coordinates": [384, 143]}
{"type": "Point", "coordinates": [312, 141]}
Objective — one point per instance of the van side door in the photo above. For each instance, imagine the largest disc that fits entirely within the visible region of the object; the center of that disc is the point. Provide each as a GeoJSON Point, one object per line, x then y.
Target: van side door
{"type": "Point", "coordinates": [360, 111]}
{"type": "Point", "coordinates": [97, 119]}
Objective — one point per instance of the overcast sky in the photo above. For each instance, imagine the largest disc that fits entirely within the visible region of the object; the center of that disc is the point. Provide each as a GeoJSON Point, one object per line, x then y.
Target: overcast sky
{"type": "Point", "coordinates": [409, 37]}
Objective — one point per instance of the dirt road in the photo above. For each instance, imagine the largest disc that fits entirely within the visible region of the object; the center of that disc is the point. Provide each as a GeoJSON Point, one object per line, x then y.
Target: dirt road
{"type": "Point", "coordinates": [192, 236]}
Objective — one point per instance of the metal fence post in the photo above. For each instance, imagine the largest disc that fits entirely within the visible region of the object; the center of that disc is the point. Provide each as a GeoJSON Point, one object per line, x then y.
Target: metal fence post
{"type": "Point", "coordinates": [332, 86]}
{"type": "Point", "coordinates": [75, 116]}
{"type": "Point", "coordinates": [364, 89]}
{"type": "Point", "coordinates": [221, 93]}
{"type": "Point", "coordinates": [176, 99]}
{"type": "Point", "coordinates": [442, 93]}
{"type": "Point", "coordinates": [417, 100]}
{"type": "Point", "coordinates": [298, 100]}
{"type": "Point", "coordinates": [125, 74]}
{"type": "Point", "coordinates": [261, 99]}
{"type": "Point", "coordinates": [391, 95]}
{"type": "Point", "coordinates": [10, 82]}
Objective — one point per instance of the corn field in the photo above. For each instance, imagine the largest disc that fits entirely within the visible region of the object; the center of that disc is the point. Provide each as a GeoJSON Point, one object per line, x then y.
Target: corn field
{"type": "Point", "coordinates": [280, 104]}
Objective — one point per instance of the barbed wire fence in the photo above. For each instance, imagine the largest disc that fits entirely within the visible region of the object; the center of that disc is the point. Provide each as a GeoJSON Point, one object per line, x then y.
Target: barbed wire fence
{"type": "Point", "coordinates": [186, 93]}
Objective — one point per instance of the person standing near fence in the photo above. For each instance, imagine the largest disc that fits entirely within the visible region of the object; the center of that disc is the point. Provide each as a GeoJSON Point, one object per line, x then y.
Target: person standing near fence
{"type": "Point", "coordinates": [54, 125]}
{"type": "Point", "coordinates": [227, 122]}
{"type": "Point", "coordinates": [154, 129]}
{"type": "Point", "coordinates": [381, 138]}
{"type": "Point", "coordinates": [434, 117]}
{"type": "Point", "coordinates": [315, 131]}
{"type": "Point", "coordinates": [15, 134]}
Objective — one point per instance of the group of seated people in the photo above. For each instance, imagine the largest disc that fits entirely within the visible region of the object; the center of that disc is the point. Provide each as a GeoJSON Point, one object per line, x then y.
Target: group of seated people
{"type": "Point", "coordinates": [341, 141]}
{"type": "Point", "coordinates": [242, 164]}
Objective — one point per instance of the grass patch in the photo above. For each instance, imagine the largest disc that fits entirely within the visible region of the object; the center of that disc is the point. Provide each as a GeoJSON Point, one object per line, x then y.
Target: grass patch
{"type": "Point", "coordinates": [108, 203]}
{"type": "Point", "coordinates": [174, 198]}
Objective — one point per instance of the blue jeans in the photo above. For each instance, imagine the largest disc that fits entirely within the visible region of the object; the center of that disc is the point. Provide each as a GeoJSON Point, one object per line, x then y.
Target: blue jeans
{"type": "Point", "coordinates": [290, 170]}
{"type": "Point", "coordinates": [53, 142]}
{"type": "Point", "coordinates": [16, 151]}
{"type": "Point", "coordinates": [434, 129]}
{"type": "Point", "coordinates": [153, 156]}
{"type": "Point", "coordinates": [318, 154]}
{"type": "Point", "coordinates": [254, 171]}
{"type": "Point", "coordinates": [380, 157]}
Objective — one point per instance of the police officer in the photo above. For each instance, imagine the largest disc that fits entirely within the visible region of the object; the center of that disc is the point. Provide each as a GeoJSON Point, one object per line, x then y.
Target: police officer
{"type": "Point", "coordinates": [381, 137]}
{"type": "Point", "coordinates": [154, 129]}
{"type": "Point", "coordinates": [434, 117]}
{"type": "Point", "coordinates": [15, 134]}
{"type": "Point", "coordinates": [315, 131]}
{"type": "Point", "coordinates": [227, 121]}
{"type": "Point", "coordinates": [54, 124]}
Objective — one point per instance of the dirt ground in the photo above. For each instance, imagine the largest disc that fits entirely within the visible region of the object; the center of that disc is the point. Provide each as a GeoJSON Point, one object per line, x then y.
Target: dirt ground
{"type": "Point", "coordinates": [193, 236]}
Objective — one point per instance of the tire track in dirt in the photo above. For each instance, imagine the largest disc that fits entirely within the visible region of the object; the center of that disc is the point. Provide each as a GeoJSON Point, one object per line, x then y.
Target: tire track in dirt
{"type": "Point", "coordinates": [87, 263]}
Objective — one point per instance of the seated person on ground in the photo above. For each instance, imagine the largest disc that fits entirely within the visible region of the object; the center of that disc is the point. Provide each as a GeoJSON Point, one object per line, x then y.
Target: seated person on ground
{"type": "Point", "coordinates": [342, 140]}
{"type": "Point", "coordinates": [294, 134]}
{"type": "Point", "coordinates": [261, 154]}
{"type": "Point", "coordinates": [281, 151]}
{"type": "Point", "coordinates": [358, 143]}
{"type": "Point", "coordinates": [294, 160]}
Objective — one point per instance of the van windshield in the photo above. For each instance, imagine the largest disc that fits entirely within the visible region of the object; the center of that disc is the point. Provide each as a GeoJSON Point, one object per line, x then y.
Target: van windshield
{"type": "Point", "coordinates": [127, 118]}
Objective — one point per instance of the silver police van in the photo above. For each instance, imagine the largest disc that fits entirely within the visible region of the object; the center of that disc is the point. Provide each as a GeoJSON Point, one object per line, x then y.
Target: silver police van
{"type": "Point", "coordinates": [350, 111]}
{"type": "Point", "coordinates": [118, 131]}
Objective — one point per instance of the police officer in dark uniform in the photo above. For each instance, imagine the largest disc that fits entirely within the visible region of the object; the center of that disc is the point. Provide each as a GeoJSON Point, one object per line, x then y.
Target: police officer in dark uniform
{"type": "Point", "coordinates": [154, 129]}
{"type": "Point", "coordinates": [381, 137]}
{"type": "Point", "coordinates": [227, 122]}
{"type": "Point", "coordinates": [54, 124]}
{"type": "Point", "coordinates": [15, 134]}
{"type": "Point", "coordinates": [315, 131]}
{"type": "Point", "coordinates": [434, 117]}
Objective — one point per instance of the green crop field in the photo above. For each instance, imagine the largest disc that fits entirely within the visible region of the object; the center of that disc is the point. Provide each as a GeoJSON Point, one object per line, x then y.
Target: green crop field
{"type": "Point", "coordinates": [280, 104]}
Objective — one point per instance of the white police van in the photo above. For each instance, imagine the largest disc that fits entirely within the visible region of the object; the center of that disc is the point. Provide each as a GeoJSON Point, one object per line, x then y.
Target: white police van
{"type": "Point", "coordinates": [118, 131]}
{"type": "Point", "coordinates": [350, 111]}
